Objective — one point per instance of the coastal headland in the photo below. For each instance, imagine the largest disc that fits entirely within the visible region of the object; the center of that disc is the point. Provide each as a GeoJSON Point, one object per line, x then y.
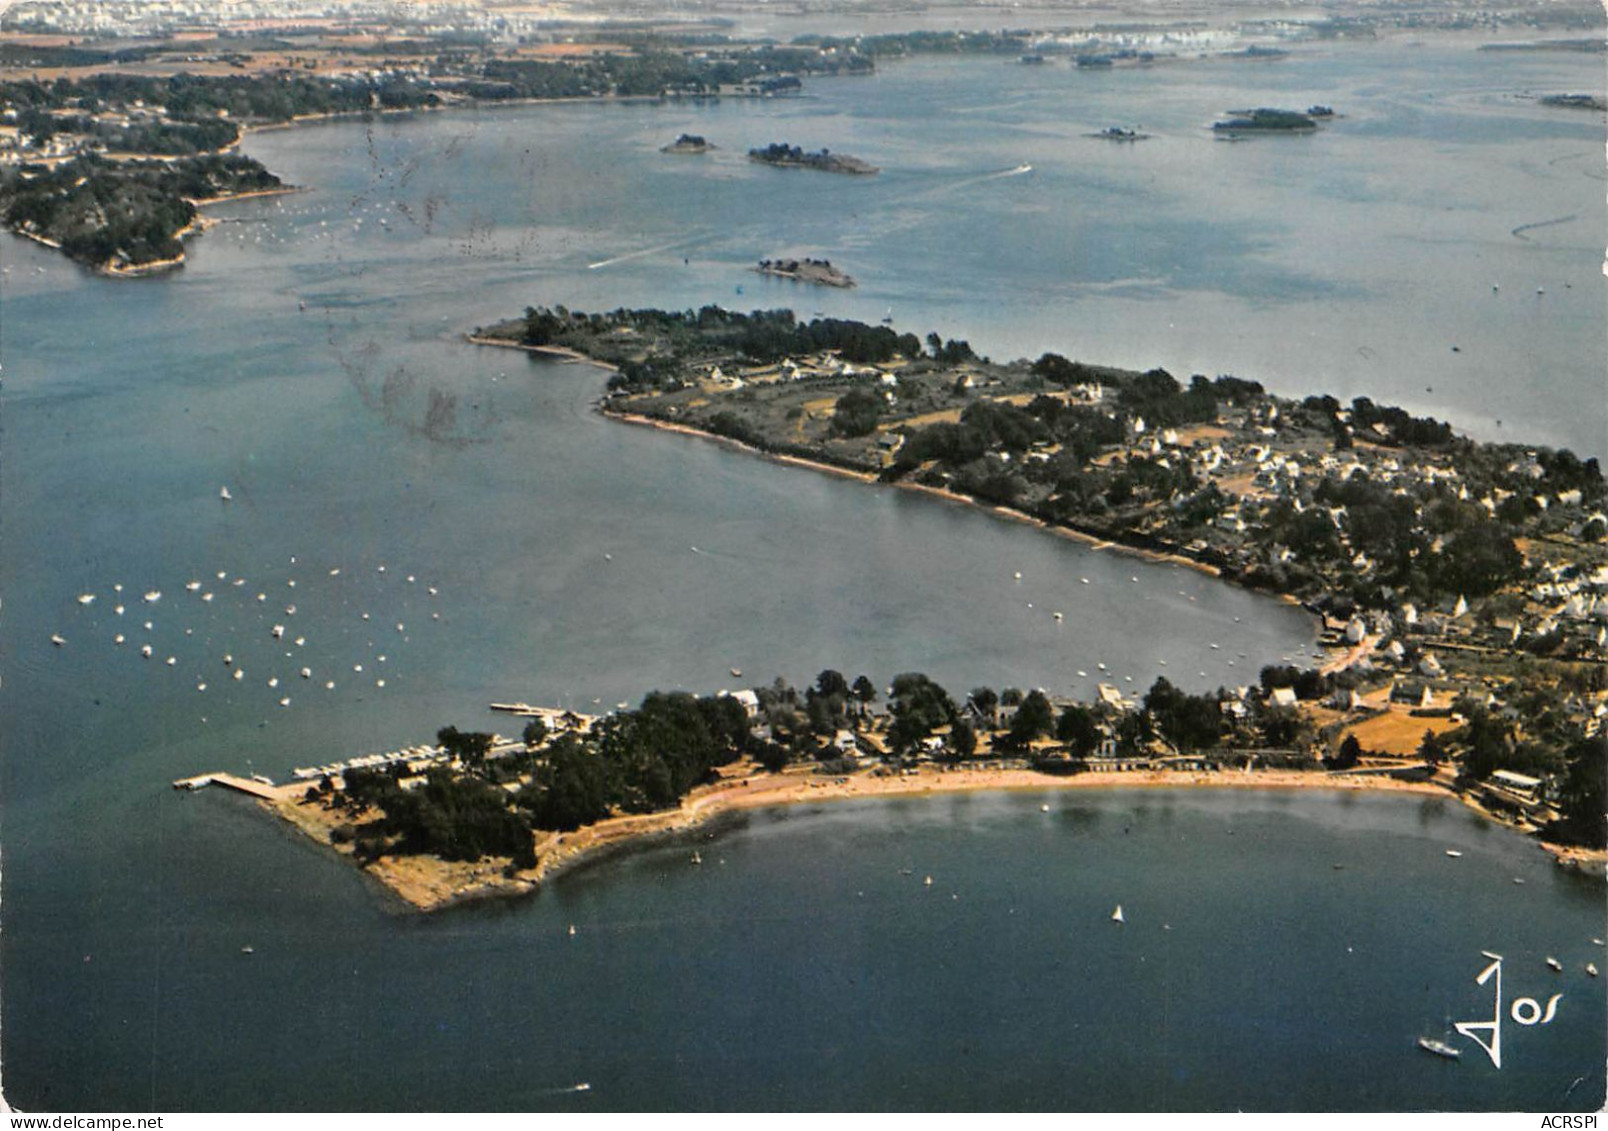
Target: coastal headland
{"type": "Point", "coordinates": [1422, 691]}
{"type": "Point", "coordinates": [429, 883]}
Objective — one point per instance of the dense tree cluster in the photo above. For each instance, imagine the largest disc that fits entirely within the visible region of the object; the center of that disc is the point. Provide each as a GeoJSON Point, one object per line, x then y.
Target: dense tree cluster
{"type": "Point", "coordinates": [1188, 722]}
{"type": "Point", "coordinates": [101, 211]}
{"type": "Point", "coordinates": [857, 412]}
{"type": "Point", "coordinates": [1581, 799]}
{"type": "Point", "coordinates": [635, 762]}
{"type": "Point", "coordinates": [152, 136]}
{"type": "Point", "coordinates": [1267, 119]}
{"type": "Point", "coordinates": [676, 336]}
{"type": "Point", "coordinates": [1397, 426]}
{"type": "Point", "coordinates": [197, 98]}
{"type": "Point", "coordinates": [452, 815]}
{"type": "Point", "coordinates": [918, 707]}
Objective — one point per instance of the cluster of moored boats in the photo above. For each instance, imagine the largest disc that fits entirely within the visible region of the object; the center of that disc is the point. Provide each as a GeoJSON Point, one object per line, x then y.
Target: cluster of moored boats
{"type": "Point", "coordinates": [223, 591]}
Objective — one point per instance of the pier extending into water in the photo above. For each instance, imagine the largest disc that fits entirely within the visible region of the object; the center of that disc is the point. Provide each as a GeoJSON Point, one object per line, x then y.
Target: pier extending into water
{"type": "Point", "coordinates": [256, 786]}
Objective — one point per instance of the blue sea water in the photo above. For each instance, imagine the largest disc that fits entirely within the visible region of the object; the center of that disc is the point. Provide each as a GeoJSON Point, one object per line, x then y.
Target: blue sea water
{"type": "Point", "coordinates": [309, 357]}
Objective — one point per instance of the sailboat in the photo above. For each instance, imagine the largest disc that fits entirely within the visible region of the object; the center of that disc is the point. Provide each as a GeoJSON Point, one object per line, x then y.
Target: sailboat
{"type": "Point", "coordinates": [1116, 916]}
{"type": "Point", "coordinates": [1439, 1048]}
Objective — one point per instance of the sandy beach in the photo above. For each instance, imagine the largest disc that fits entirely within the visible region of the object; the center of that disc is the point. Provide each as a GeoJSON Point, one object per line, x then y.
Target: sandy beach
{"type": "Point", "coordinates": [428, 884]}
{"type": "Point", "coordinates": [560, 352]}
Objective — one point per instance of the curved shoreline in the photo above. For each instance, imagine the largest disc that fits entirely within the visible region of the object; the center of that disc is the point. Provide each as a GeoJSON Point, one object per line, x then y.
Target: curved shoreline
{"type": "Point", "coordinates": [1093, 541]}
{"type": "Point", "coordinates": [562, 353]}
{"type": "Point", "coordinates": [427, 883]}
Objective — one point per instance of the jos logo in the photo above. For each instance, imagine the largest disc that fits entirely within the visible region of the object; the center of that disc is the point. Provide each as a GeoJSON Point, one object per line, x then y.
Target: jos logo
{"type": "Point", "coordinates": [1525, 1010]}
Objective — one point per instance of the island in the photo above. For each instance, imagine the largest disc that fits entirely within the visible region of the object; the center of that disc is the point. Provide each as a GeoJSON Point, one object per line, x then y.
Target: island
{"type": "Point", "coordinates": [109, 160]}
{"type": "Point", "coordinates": [1575, 101]}
{"type": "Point", "coordinates": [1257, 52]}
{"type": "Point", "coordinates": [818, 271]}
{"type": "Point", "coordinates": [688, 143]}
{"type": "Point", "coordinates": [786, 156]}
{"type": "Point", "coordinates": [1266, 120]}
{"type": "Point", "coordinates": [1460, 590]}
{"type": "Point", "coordinates": [1119, 133]}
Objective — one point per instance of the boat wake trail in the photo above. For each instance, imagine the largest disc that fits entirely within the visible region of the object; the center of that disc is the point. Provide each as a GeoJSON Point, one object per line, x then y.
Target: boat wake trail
{"type": "Point", "coordinates": [644, 252]}
{"type": "Point", "coordinates": [1522, 228]}
{"type": "Point", "coordinates": [1014, 171]}
{"type": "Point", "coordinates": [980, 178]}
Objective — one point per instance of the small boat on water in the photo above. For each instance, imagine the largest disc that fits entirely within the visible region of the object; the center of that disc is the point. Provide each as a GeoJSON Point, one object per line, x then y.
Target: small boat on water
{"type": "Point", "coordinates": [223, 493]}
{"type": "Point", "coordinates": [927, 882]}
{"type": "Point", "coordinates": [1453, 852]}
{"type": "Point", "coordinates": [86, 598]}
{"type": "Point", "coordinates": [1439, 1048]}
{"type": "Point", "coordinates": [57, 639]}
{"type": "Point", "coordinates": [248, 950]}
{"type": "Point", "coordinates": [1591, 968]}
{"type": "Point", "coordinates": [154, 596]}
{"type": "Point", "coordinates": [1117, 916]}
{"type": "Point", "coordinates": [1554, 963]}
{"type": "Point", "coordinates": [737, 672]}
{"type": "Point", "coordinates": [697, 857]}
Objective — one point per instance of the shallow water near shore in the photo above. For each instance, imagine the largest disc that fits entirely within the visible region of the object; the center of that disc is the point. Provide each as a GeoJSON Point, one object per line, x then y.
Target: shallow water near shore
{"type": "Point", "coordinates": [313, 365]}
